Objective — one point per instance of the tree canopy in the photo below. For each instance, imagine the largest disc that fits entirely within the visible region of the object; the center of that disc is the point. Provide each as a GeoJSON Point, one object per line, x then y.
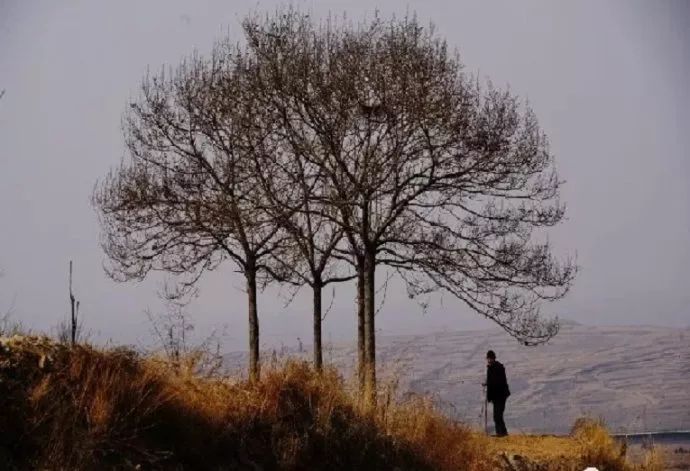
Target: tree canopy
{"type": "Point", "coordinates": [317, 152]}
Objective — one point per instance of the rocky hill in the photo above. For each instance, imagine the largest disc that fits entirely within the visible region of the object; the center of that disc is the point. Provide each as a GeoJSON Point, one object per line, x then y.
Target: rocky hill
{"type": "Point", "coordinates": [636, 378]}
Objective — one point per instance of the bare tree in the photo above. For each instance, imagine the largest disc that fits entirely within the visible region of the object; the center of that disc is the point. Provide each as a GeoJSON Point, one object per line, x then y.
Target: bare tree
{"type": "Point", "coordinates": [173, 332]}
{"type": "Point", "coordinates": [291, 184]}
{"type": "Point", "coordinates": [188, 197]}
{"type": "Point", "coordinates": [70, 330]}
{"type": "Point", "coordinates": [448, 182]}
{"type": "Point", "coordinates": [365, 144]}
{"type": "Point", "coordinates": [74, 304]}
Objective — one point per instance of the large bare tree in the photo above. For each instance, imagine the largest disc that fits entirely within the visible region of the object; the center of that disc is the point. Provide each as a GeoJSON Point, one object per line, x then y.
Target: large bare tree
{"type": "Point", "coordinates": [424, 170]}
{"type": "Point", "coordinates": [188, 197]}
{"type": "Point", "coordinates": [365, 144]}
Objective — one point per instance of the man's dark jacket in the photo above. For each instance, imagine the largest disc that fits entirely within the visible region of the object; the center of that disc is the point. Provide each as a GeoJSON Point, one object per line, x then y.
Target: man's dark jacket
{"type": "Point", "coordinates": [496, 382]}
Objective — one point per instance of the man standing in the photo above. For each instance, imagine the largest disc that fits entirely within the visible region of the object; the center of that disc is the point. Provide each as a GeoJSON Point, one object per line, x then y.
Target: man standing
{"type": "Point", "coordinates": [497, 391]}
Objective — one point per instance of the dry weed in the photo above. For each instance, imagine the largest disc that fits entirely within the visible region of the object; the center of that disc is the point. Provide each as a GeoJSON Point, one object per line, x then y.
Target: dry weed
{"type": "Point", "coordinates": [84, 408]}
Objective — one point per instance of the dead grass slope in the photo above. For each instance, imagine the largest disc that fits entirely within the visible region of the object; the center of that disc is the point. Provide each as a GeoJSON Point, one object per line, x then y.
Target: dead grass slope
{"type": "Point", "coordinates": [83, 408]}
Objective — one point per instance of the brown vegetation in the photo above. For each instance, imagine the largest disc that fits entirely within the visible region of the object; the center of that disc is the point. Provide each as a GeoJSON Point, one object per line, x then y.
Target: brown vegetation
{"type": "Point", "coordinates": [84, 408]}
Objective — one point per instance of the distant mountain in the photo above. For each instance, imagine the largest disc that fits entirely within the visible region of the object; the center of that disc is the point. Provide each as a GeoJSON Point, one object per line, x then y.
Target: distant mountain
{"type": "Point", "coordinates": [635, 378]}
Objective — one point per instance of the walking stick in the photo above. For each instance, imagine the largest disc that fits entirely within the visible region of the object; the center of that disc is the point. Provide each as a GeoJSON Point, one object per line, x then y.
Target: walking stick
{"type": "Point", "coordinates": [486, 411]}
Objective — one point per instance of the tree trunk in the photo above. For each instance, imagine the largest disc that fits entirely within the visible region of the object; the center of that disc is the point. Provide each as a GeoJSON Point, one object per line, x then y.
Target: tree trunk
{"type": "Point", "coordinates": [361, 348]}
{"type": "Point", "coordinates": [73, 319]}
{"type": "Point", "coordinates": [74, 326]}
{"type": "Point", "coordinates": [369, 328]}
{"type": "Point", "coordinates": [318, 353]}
{"type": "Point", "coordinates": [254, 365]}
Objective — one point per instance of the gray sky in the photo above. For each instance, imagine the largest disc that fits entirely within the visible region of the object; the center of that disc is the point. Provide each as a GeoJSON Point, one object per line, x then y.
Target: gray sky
{"type": "Point", "coordinates": [609, 81]}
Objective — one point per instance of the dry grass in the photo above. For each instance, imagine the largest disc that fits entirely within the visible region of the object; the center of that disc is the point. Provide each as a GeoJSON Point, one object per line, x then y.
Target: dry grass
{"type": "Point", "coordinates": [600, 449]}
{"type": "Point", "coordinates": [589, 444]}
{"type": "Point", "coordinates": [542, 448]}
{"type": "Point", "coordinates": [83, 408]}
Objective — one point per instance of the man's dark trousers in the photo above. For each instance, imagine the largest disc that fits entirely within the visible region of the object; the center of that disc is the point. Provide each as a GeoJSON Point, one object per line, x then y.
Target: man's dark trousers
{"type": "Point", "coordinates": [499, 407]}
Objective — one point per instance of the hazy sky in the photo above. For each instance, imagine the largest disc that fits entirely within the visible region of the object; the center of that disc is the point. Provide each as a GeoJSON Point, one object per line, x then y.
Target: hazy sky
{"type": "Point", "coordinates": [609, 81]}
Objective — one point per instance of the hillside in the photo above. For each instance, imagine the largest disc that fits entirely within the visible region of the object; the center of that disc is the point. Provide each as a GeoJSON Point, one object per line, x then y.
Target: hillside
{"type": "Point", "coordinates": [84, 408]}
{"type": "Point", "coordinates": [635, 378]}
